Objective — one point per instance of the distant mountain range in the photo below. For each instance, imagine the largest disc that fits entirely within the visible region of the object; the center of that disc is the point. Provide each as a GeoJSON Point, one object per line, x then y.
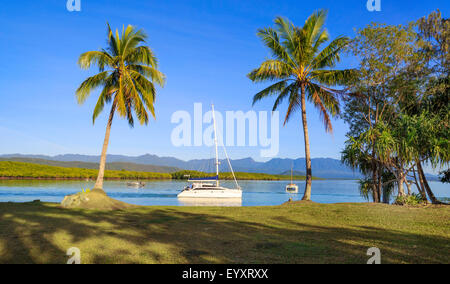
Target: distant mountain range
{"type": "Point", "coordinates": [322, 167]}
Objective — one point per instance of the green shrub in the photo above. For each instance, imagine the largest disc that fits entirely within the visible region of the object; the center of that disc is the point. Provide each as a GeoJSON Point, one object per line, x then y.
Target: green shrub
{"type": "Point", "coordinates": [412, 200]}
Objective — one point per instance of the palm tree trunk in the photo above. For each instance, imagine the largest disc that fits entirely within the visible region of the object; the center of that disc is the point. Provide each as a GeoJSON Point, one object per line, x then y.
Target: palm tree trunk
{"type": "Point", "coordinates": [386, 196]}
{"type": "Point", "coordinates": [426, 185]}
{"type": "Point", "coordinates": [307, 194]}
{"type": "Point", "coordinates": [375, 196]}
{"type": "Point", "coordinates": [379, 186]}
{"type": "Point", "coordinates": [101, 172]}
{"type": "Point", "coordinates": [420, 186]}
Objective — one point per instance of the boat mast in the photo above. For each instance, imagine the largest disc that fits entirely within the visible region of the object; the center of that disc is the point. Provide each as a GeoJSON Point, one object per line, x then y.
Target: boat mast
{"type": "Point", "coordinates": [215, 144]}
{"type": "Point", "coordinates": [292, 166]}
{"type": "Point", "coordinates": [231, 168]}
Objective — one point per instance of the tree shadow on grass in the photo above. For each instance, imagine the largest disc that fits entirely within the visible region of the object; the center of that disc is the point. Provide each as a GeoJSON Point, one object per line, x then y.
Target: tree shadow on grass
{"type": "Point", "coordinates": [41, 233]}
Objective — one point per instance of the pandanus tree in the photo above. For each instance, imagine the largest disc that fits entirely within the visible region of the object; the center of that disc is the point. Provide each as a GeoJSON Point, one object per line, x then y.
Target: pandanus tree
{"type": "Point", "coordinates": [299, 70]}
{"type": "Point", "coordinates": [128, 70]}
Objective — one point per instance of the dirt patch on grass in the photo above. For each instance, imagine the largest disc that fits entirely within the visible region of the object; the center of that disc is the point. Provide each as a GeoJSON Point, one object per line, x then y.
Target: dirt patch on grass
{"type": "Point", "coordinates": [97, 199]}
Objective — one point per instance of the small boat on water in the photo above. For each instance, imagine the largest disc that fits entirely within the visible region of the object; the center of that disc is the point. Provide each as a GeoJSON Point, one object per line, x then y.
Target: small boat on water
{"type": "Point", "coordinates": [210, 187]}
{"type": "Point", "coordinates": [292, 187]}
{"type": "Point", "coordinates": [136, 184]}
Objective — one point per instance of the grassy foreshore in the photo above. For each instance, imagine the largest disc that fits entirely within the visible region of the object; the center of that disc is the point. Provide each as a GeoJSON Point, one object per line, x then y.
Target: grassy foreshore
{"type": "Point", "coordinates": [21, 170]}
{"type": "Point", "coordinates": [295, 233]}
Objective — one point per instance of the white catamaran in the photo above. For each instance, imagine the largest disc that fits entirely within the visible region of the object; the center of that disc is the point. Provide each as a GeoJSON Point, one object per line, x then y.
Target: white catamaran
{"type": "Point", "coordinates": [210, 187]}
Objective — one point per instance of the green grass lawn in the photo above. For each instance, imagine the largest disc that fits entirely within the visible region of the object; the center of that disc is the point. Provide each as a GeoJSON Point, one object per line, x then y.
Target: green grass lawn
{"type": "Point", "coordinates": [295, 233]}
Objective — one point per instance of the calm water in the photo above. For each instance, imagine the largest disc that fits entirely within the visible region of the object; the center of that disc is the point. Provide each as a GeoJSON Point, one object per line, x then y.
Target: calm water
{"type": "Point", "coordinates": [255, 193]}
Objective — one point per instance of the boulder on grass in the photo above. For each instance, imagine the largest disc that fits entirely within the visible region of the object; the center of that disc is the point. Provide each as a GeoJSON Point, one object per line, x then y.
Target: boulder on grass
{"type": "Point", "coordinates": [96, 199]}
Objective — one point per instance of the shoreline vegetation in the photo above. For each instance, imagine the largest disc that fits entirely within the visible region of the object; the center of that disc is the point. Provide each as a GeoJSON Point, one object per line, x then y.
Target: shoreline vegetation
{"type": "Point", "coordinates": [38, 232]}
{"type": "Point", "coordinates": [21, 170]}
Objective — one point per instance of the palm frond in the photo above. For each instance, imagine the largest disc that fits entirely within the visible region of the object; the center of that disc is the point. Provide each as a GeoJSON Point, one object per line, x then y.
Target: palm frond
{"type": "Point", "coordinates": [323, 37]}
{"type": "Point", "coordinates": [271, 90]}
{"type": "Point", "coordinates": [287, 91]}
{"type": "Point", "coordinates": [135, 98]}
{"type": "Point", "coordinates": [146, 90]}
{"type": "Point", "coordinates": [112, 42]}
{"type": "Point", "coordinates": [90, 84]}
{"type": "Point", "coordinates": [105, 97]}
{"type": "Point", "coordinates": [141, 55]}
{"type": "Point", "coordinates": [314, 26]}
{"type": "Point", "coordinates": [294, 103]}
{"type": "Point", "coordinates": [329, 98]}
{"type": "Point", "coordinates": [100, 58]}
{"type": "Point", "coordinates": [121, 99]}
{"type": "Point", "coordinates": [138, 54]}
{"type": "Point", "coordinates": [129, 110]}
{"type": "Point", "coordinates": [156, 76]}
{"type": "Point", "coordinates": [334, 77]}
{"type": "Point", "coordinates": [271, 39]}
{"type": "Point", "coordinates": [315, 93]}
{"type": "Point", "coordinates": [286, 31]}
{"type": "Point", "coordinates": [271, 70]}
{"type": "Point", "coordinates": [329, 56]}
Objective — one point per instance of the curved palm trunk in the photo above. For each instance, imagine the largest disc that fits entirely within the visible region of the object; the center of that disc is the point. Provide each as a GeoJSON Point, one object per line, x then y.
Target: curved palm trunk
{"type": "Point", "coordinates": [420, 185]}
{"type": "Point", "coordinates": [307, 194]}
{"type": "Point", "coordinates": [426, 185]}
{"type": "Point", "coordinates": [101, 172]}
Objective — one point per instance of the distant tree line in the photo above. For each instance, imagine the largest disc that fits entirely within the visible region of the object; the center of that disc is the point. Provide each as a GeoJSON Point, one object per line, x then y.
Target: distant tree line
{"type": "Point", "coordinates": [9, 169]}
{"type": "Point", "coordinates": [186, 174]}
{"type": "Point", "coordinates": [27, 170]}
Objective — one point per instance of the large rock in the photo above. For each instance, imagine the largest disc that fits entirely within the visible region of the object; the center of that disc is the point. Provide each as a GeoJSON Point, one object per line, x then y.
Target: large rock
{"type": "Point", "coordinates": [97, 199]}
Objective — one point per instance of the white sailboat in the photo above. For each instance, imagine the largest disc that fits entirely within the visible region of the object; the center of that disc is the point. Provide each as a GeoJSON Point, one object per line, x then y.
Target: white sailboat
{"type": "Point", "coordinates": [210, 187]}
{"type": "Point", "coordinates": [292, 187]}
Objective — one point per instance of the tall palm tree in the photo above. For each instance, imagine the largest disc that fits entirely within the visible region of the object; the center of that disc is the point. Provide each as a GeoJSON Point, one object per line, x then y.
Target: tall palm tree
{"type": "Point", "coordinates": [301, 70]}
{"type": "Point", "coordinates": [128, 70]}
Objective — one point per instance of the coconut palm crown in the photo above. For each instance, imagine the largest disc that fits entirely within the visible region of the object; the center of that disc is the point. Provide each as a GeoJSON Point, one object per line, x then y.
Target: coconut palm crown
{"type": "Point", "coordinates": [300, 68]}
{"type": "Point", "coordinates": [127, 73]}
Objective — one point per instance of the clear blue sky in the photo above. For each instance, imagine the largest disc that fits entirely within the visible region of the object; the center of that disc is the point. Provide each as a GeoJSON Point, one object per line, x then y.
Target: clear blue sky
{"type": "Point", "coordinates": [204, 47]}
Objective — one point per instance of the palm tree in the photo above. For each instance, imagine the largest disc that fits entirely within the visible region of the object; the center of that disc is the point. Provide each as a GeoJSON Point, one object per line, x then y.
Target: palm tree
{"type": "Point", "coordinates": [128, 70]}
{"type": "Point", "coordinates": [302, 70]}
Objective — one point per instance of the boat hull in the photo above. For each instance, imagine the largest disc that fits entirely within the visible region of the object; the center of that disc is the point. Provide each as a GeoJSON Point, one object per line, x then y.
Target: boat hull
{"type": "Point", "coordinates": [292, 188]}
{"type": "Point", "coordinates": [208, 193]}
{"type": "Point", "coordinates": [216, 202]}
